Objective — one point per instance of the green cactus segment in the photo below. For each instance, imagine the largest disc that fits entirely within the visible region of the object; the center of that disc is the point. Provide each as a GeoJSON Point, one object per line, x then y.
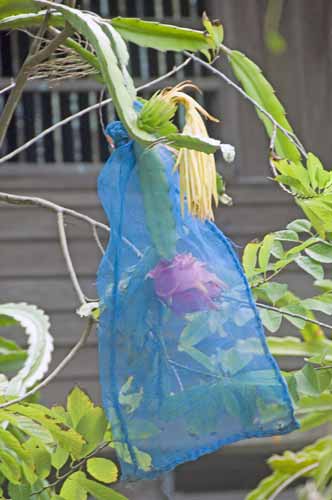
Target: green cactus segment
{"type": "Point", "coordinates": [157, 205]}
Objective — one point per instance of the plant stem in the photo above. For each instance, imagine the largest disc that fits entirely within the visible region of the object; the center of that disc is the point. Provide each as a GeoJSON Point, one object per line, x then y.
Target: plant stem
{"type": "Point", "coordinates": [23, 76]}
{"type": "Point", "coordinates": [294, 315]}
{"type": "Point", "coordinates": [67, 257]}
{"type": "Point", "coordinates": [290, 135]}
{"type": "Point", "coordinates": [87, 110]}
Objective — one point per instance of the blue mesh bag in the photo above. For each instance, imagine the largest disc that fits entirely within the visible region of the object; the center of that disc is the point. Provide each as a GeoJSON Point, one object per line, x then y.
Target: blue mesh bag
{"type": "Point", "coordinates": [184, 365]}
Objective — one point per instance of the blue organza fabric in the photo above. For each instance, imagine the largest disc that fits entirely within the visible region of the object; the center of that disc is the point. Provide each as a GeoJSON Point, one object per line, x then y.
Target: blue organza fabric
{"type": "Point", "coordinates": [184, 365]}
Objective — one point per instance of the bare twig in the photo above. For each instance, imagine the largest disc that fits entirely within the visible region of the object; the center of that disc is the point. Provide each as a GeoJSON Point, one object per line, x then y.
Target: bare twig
{"type": "Point", "coordinates": [293, 478]}
{"type": "Point", "coordinates": [97, 239]}
{"type": "Point", "coordinates": [67, 257]}
{"type": "Point", "coordinates": [9, 87]}
{"type": "Point", "coordinates": [290, 135]}
{"type": "Point", "coordinates": [294, 315]}
{"type": "Point", "coordinates": [85, 111]}
{"type": "Point", "coordinates": [40, 202]}
{"type": "Point", "coordinates": [85, 334]}
{"type": "Point", "coordinates": [23, 76]}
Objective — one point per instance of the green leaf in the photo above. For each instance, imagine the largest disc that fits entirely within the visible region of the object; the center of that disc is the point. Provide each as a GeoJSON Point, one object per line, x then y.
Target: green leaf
{"type": "Point", "coordinates": [324, 284]}
{"type": "Point", "coordinates": [195, 331]}
{"type": "Point", "coordinates": [321, 252]}
{"type": "Point", "coordinates": [273, 291]}
{"type": "Point", "coordinates": [249, 259]}
{"type": "Point", "coordinates": [20, 491]}
{"type": "Point", "coordinates": [36, 326]}
{"type": "Point", "coordinates": [160, 36]}
{"type": "Point", "coordinates": [318, 209]}
{"type": "Point", "coordinates": [66, 437]}
{"type": "Point", "coordinates": [265, 252]}
{"type": "Point", "coordinates": [99, 491]}
{"type": "Point", "coordinates": [78, 404]}
{"type": "Point", "coordinates": [92, 427]}
{"type": "Point", "coordinates": [59, 458]}
{"type": "Point", "coordinates": [11, 356]}
{"type": "Point", "coordinates": [286, 235]}
{"type": "Point", "coordinates": [215, 30]}
{"type": "Point", "coordinates": [73, 487]}
{"type": "Point", "coordinates": [12, 7]}
{"type": "Point", "coordinates": [102, 469]}
{"type": "Point", "coordinates": [270, 319]}
{"type": "Point", "coordinates": [267, 486]}
{"type": "Point", "coordinates": [257, 87]}
{"type": "Point", "coordinates": [131, 400]}
{"type": "Point", "coordinates": [310, 266]}
{"type": "Point", "coordinates": [9, 467]}
{"type": "Point", "coordinates": [157, 205]}
{"type": "Point", "coordinates": [7, 320]}
{"type": "Point", "coordinates": [293, 346]}
{"type": "Point", "coordinates": [300, 226]}
{"type": "Point", "coordinates": [40, 456]}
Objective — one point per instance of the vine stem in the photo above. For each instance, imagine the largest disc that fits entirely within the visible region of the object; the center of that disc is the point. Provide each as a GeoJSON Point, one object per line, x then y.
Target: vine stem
{"type": "Point", "coordinates": [85, 334]}
{"type": "Point", "coordinates": [290, 135]}
{"type": "Point", "coordinates": [88, 110]}
{"type": "Point", "coordinates": [291, 479]}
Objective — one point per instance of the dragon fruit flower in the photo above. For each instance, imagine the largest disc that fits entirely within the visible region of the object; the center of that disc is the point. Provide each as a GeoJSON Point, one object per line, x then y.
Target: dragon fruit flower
{"type": "Point", "coordinates": [185, 285]}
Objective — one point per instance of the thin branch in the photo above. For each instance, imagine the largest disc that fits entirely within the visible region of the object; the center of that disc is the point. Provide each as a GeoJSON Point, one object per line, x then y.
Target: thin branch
{"type": "Point", "coordinates": [294, 315]}
{"type": "Point", "coordinates": [97, 239]}
{"type": "Point", "coordinates": [272, 157]}
{"type": "Point", "coordinates": [40, 202]}
{"type": "Point", "coordinates": [85, 111]}
{"type": "Point", "coordinates": [72, 469]}
{"type": "Point", "coordinates": [67, 257]}
{"type": "Point", "coordinates": [9, 87]}
{"type": "Point", "coordinates": [291, 479]}
{"type": "Point", "coordinates": [85, 334]}
{"type": "Point", "coordinates": [23, 76]}
{"type": "Point", "coordinates": [290, 135]}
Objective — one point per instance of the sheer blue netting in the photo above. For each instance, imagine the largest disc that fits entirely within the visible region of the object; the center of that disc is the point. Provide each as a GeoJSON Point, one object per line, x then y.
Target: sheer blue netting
{"type": "Point", "coordinates": [184, 365]}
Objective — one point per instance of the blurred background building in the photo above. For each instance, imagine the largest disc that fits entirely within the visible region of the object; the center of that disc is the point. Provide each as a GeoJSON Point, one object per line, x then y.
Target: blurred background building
{"type": "Point", "coordinates": [64, 165]}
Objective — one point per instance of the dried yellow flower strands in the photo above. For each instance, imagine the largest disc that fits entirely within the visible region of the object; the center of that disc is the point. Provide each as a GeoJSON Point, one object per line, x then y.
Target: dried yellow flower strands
{"type": "Point", "coordinates": [198, 184]}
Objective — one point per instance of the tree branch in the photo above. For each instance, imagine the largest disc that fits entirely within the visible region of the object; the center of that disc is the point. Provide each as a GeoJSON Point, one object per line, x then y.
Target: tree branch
{"type": "Point", "coordinates": [294, 315]}
{"type": "Point", "coordinates": [12, 199]}
{"type": "Point", "coordinates": [290, 135]}
{"type": "Point", "coordinates": [87, 110]}
{"type": "Point", "coordinates": [85, 334]}
{"type": "Point", "coordinates": [67, 257]}
{"type": "Point", "coordinates": [23, 76]}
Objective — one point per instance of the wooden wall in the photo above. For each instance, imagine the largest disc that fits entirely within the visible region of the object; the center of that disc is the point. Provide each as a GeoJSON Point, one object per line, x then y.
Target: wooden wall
{"type": "Point", "coordinates": [32, 268]}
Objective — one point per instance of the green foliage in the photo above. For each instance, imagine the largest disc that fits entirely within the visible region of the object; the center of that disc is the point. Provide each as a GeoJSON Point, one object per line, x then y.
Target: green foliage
{"type": "Point", "coordinates": [36, 441]}
{"type": "Point", "coordinates": [312, 189]}
{"type": "Point", "coordinates": [161, 36]}
{"type": "Point", "coordinates": [257, 87]}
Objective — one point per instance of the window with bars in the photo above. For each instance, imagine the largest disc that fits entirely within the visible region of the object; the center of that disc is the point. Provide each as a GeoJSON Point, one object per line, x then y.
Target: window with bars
{"type": "Point", "coordinates": [45, 103]}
